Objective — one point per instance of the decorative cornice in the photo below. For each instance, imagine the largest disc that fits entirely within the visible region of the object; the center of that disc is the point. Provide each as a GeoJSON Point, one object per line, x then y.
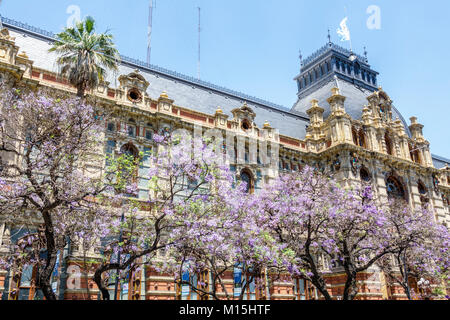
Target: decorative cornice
{"type": "Point", "coordinates": [329, 48]}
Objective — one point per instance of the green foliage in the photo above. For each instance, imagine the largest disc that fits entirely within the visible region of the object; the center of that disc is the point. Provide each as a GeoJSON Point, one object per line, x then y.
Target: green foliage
{"type": "Point", "coordinates": [85, 55]}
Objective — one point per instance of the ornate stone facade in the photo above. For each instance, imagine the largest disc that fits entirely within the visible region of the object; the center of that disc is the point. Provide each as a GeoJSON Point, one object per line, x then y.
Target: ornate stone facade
{"type": "Point", "coordinates": [361, 139]}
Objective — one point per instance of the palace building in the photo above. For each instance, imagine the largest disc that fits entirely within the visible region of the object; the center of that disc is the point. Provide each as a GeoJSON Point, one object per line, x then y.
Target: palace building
{"type": "Point", "coordinates": [342, 121]}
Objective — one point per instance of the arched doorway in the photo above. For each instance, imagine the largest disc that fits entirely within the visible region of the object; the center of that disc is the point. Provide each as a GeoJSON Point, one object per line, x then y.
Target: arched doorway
{"type": "Point", "coordinates": [247, 177]}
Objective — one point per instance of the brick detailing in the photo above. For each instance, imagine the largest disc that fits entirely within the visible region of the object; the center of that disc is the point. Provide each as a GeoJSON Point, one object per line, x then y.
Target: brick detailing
{"type": "Point", "coordinates": [192, 116]}
{"type": "Point", "coordinates": [289, 141]}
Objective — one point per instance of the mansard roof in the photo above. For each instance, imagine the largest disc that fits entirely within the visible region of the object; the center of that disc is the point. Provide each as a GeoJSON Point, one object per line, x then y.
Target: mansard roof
{"type": "Point", "coordinates": [334, 66]}
{"type": "Point", "coordinates": [206, 97]}
{"type": "Point", "coordinates": [440, 162]}
{"type": "Point", "coordinates": [186, 91]}
{"type": "Point", "coordinates": [356, 99]}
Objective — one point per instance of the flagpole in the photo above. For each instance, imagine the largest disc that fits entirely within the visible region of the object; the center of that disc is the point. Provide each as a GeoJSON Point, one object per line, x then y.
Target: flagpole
{"type": "Point", "coordinates": [1, 24]}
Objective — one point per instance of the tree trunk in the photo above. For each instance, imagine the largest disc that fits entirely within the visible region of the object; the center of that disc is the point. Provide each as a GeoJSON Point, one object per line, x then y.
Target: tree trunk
{"type": "Point", "coordinates": [351, 286]}
{"type": "Point", "coordinates": [320, 284]}
{"type": "Point", "coordinates": [98, 280]}
{"type": "Point", "coordinates": [44, 276]}
{"type": "Point", "coordinates": [80, 91]}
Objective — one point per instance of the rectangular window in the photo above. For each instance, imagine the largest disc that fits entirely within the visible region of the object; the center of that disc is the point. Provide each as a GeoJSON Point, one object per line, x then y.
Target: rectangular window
{"type": "Point", "coordinates": [237, 275]}
{"type": "Point", "coordinates": [131, 131]}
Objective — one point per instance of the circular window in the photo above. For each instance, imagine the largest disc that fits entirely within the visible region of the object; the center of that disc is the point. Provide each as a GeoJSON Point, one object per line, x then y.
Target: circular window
{"type": "Point", "coordinates": [246, 125]}
{"type": "Point", "coordinates": [134, 95]}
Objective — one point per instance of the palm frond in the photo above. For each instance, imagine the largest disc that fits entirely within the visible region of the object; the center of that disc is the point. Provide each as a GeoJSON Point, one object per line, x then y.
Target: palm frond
{"type": "Point", "coordinates": [85, 56]}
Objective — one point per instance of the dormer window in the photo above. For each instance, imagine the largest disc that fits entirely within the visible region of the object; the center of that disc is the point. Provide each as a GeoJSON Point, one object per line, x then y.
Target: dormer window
{"type": "Point", "coordinates": [246, 125]}
{"type": "Point", "coordinates": [134, 95]}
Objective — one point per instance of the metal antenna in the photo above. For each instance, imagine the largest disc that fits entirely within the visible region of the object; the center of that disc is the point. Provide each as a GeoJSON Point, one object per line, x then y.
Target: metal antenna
{"type": "Point", "coordinates": [1, 24]}
{"type": "Point", "coordinates": [199, 31]}
{"type": "Point", "coordinates": [149, 34]}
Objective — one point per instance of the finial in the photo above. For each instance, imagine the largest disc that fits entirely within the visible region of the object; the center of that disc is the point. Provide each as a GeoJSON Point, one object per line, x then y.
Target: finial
{"type": "Point", "coordinates": [164, 94]}
{"type": "Point", "coordinates": [335, 91]}
{"type": "Point", "coordinates": [314, 102]}
{"type": "Point", "coordinates": [365, 52]}
{"type": "Point", "coordinates": [413, 120]}
{"type": "Point", "coordinates": [266, 124]}
{"type": "Point", "coordinates": [23, 55]}
{"type": "Point", "coordinates": [219, 110]}
{"type": "Point", "coordinates": [336, 81]}
{"type": "Point", "coordinates": [300, 57]}
{"type": "Point", "coordinates": [329, 36]}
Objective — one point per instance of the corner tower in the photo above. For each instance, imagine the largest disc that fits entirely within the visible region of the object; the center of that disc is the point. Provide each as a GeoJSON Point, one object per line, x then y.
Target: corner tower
{"type": "Point", "coordinates": [334, 66]}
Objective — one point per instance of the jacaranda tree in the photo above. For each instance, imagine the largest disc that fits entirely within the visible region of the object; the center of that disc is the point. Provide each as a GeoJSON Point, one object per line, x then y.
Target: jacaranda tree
{"type": "Point", "coordinates": [320, 225]}
{"type": "Point", "coordinates": [184, 172]}
{"type": "Point", "coordinates": [50, 182]}
{"type": "Point", "coordinates": [421, 249]}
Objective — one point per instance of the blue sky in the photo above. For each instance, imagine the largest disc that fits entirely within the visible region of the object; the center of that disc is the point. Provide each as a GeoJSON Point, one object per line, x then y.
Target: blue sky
{"type": "Point", "coordinates": [252, 45]}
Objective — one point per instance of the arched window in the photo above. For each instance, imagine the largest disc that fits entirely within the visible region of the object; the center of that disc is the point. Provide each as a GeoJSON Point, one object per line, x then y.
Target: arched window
{"type": "Point", "coordinates": [354, 136]}
{"type": "Point", "coordinates": [362, 138]}
{"type": "Point", "coordinates": [365, 175]}
{"type": "Point", "coordinates": [389, 145]}
{"type": "Point", "coordinates": [130, 150]}
{"type": "Point", "coordinates": [247, 177]}
{"type": "Point", "coordinates": [415, 155]}
{"type": "Point", "coordinates": [422, 188]}
{"type": "Point", "coordinates": [395, 189]}
{"type": "Point", "coordinates": [424, 200]}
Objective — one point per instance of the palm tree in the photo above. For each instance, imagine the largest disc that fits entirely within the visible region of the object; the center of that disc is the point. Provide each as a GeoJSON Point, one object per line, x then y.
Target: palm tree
{"type": "Point", "coordinates": [85, 55]}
